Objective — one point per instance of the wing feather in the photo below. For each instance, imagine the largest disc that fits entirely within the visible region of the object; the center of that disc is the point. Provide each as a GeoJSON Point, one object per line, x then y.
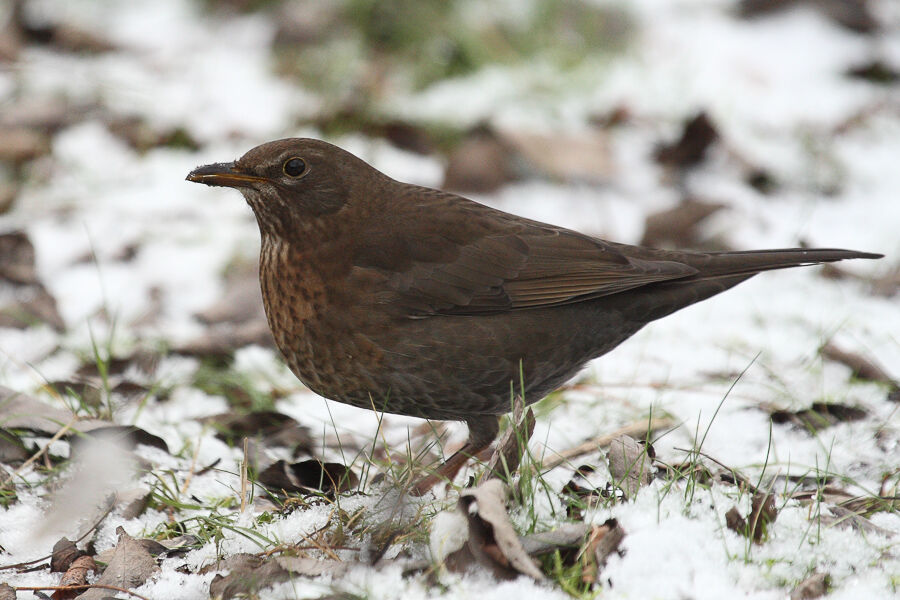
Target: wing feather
{"type": "Point", "coordinates": [478, 260]}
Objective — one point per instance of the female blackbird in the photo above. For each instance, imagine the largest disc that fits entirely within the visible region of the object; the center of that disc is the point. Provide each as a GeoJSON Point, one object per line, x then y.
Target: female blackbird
{"type": "Point", "coordinates": [401, 298]}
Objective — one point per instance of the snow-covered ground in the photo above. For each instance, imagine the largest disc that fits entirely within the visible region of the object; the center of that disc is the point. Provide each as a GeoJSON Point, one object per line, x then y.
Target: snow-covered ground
{"type": "Point", "coordinates": [776, 89]}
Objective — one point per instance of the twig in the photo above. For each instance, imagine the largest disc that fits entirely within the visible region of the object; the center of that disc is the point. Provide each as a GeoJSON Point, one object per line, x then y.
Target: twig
{"type": "Point", "coordinates": [66, 588]}
{"type": "Point", "coordinates": [244, 475]}
{"type": "Point", "coordinates": [633, 429]}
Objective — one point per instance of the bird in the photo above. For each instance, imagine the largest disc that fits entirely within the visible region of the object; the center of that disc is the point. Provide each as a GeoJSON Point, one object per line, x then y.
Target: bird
{"type": "Point", "coordinates": [410, 300]}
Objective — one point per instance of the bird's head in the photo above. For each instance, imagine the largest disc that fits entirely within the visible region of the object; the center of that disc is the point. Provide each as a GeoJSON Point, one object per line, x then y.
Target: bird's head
{"type": "Point", "coordinates": [292, 183]}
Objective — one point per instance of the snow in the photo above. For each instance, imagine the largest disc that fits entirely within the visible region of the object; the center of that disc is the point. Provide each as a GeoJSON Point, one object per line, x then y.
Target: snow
{"type": "Point", "coordinates": [775, 88]}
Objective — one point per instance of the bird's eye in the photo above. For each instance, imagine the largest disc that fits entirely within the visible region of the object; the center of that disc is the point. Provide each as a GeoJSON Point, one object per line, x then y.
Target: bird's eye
{"type": "Point", "coordinates": [294, 167]}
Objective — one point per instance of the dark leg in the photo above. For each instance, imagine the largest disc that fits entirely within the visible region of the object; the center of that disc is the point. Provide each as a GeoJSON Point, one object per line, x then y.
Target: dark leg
{"type": "Point", "coordinates": [482, 431]}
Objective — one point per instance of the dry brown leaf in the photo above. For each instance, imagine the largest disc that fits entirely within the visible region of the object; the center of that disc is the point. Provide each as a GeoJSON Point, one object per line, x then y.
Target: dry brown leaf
{"type": "Point", "coordinates": [272, 428]}
{"type": "Point", "coordinates": [762, 514]}
{"type": "Point", "coordinates": [17, 258]}
{"type": "Point", "coordinates": [308, 476]}
{"type": "Point", "coordinates": [7, 592]}
{"type": "Point", "coordinates": [64, 552]}
{"type": "Point", "coordinates": [21, 411]}
{"type": "Point", "coordinates": [851, 14]}
{"type": "Point", "coordinates": [690, 149]}
{"type": "Point", "coordinates": [819, 416]}
{"type": "Point", "coordinates": [20, 144]}
{"type": "Point", "coordinates": [124, 436]}
{"type": "Point", "coordinates": [629, 465]}
{"type": "Point", "coordinates": [678, 227]}
{"type": "Point", "coordinates": [222, 340]}
{"type": "Point", "coordinates": [814, 586]}
{"type": "Point", "coordinates": [12, 449]}
{"type": "Point", "coordinates": [480, 164]}
{"type": "Point", "coordinates": [569, 157]}
{"type": "Point", "coordinates": [848, 518]}
{"type": "Point", "coordinates": [862, 367]}
{"type": "Point", "coordinates": [76, 574]}
{"type": "Point", "coordinates": [603, 541]}
{"type": "Point", "coordinates": [132, 503]}
{"type": "Point", "coordinates": [31, 305]}
{"type": "Point", "coordinates": [566, 536]}
{"type": "Point", "coordinates": [130, 566]}
{"type": "Point", "coordinates": [251, 576]}
{"type": "Point", "coordinates": [492, 540]}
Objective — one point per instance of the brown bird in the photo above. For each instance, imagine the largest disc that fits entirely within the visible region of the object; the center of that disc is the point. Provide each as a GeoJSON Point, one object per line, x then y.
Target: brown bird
{"type": "Point", "coordinates": [419, 302]}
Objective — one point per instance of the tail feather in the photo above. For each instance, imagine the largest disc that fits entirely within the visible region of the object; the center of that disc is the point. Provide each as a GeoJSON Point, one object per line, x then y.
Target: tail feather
{"type": "Point", "coordinates": [717, 272]}
{"type": "Point", "coordinates": [727, 264]}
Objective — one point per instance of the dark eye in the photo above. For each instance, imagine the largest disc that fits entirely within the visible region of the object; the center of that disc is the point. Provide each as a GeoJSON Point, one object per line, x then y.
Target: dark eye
{"type": "Point", "coordinates": [294, 167]}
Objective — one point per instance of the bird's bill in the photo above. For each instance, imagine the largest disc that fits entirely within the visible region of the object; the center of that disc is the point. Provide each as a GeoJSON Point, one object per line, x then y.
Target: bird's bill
{"type": "Point", "coordinates": [222, 174]}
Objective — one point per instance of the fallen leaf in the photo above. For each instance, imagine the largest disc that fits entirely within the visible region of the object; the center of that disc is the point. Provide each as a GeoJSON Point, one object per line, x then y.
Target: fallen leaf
{"type": "Point", "coordinates": [272, 428]}
{"type": "Point", "coordinates": [21, 411]}
{"type": "Point", "coordinates": [19, 145]}
{"type": "Point", "coordinates": [844, 517]}
{"type": "Point", "coordinates": [762, 514]}
{"type": "Point", "coordinates": [68, 37]}
{"type": "Point", "coordinates": [581, 157]}
{"type": "Point", "coordinates": [222, 340]}
{"type": "Point", "coordinates": [124, 436]}
{"type": "Point", "coordinates": [7, 592]}
{"type": "Point", "coordinates": [64, 552]}
{"type": "Point", "coordinates": [851, 14]}
{"type": "Point", "coordinates": [480, 164]}
{"type": "Point", "coordinates": [819, 416]}
{"type": "Point", "coordinates": [76, 574]}
{"type": "Point", "coordinates": [814, 586]}
{"type": "Point", "coordinates": [308, 476]}
{"type": "Point", "coordinates": [132, 503]}
{"type": "Point", "coordinates": [875, 71]}
{"type": "Point", "coordinates": [690, 149]}
{"type": "Point", "coordinates": [251, 576]}
{"type": "Point", "coordinates": [567, 536]}
{"type": "Point", "coordinates": [17, 254]}
{"type": "Point", "coordinates": [862, 367]}
{"type": "Point", "coordinates": [492, 540]}
{"type": "Point", "coordinates": [604, 540]}
{"type": "Point", "coordinates": [678, 227]}
{"type": "Point", "coordinates": [12, 449]}
{"type": "Point", "coordinates": [31, 305]}
{"type": "Point", "coordinates": [130, 567]}
{"type": "Point", "coordinates": [629, 465]}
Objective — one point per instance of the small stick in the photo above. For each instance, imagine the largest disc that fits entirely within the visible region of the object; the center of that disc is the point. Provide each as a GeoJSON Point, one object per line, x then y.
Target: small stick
{"type": "Point", "coordinates": [244, 475]}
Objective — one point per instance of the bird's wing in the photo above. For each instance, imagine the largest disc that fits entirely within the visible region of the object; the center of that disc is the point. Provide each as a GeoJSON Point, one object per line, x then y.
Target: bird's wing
{"type": "Point", "coordinates": [462, 258]}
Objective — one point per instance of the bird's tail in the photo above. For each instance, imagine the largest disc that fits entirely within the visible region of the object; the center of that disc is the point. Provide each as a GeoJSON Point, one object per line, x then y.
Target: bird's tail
{"type": "Point", "coordinates": [719, 271]}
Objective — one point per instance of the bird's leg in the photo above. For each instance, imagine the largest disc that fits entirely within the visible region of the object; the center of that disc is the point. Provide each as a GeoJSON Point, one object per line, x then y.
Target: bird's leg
{"type": "Point", "coordinates": [482, 431]}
